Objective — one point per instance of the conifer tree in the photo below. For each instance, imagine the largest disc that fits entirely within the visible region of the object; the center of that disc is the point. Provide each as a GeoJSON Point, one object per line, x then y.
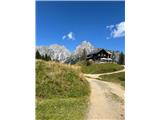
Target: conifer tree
{"type": "Point", "coordinates": [38, 56]}
{"type": "Point", "coordinates": [113, 56]}
{"type": "Point", "coordinates": [121, 58]}
{"type": "Point", "coordinates": [43, 57]}
{"type": "Point", "coordinates": [49, 58]}
{"type": "Point", "coordinates": [46, 57]}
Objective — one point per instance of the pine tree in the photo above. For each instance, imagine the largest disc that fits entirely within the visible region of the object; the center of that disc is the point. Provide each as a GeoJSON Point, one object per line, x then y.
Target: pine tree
{"type": "Point", "coordinates": [49, 58]}
{"type": "Point", "coordinates": [43, 57]}
{"type": "Point", "coordinates": [121, 58]}
{"type": "Point", "coordinates": [46, 57]}
{"type": "Point", "coordinates": [38, 56]}
{"type": "Point", "coordinates": [113, 57]}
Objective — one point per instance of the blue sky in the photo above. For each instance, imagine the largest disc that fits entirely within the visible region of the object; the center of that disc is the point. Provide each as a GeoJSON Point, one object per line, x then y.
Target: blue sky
{"type": "Point", "coordinates": [70, 23]}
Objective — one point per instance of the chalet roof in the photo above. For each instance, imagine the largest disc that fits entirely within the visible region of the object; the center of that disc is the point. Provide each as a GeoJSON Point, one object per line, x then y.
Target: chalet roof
{"type": "Point", "coordinates": [95, 51]}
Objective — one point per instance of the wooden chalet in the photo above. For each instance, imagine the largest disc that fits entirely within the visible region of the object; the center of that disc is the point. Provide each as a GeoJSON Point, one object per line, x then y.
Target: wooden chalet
{"type": "Point", "coordinates": [100, 55]}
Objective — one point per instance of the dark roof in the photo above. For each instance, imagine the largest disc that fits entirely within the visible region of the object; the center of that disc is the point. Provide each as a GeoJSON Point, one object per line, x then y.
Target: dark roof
{"type": "Point", "coordinates": [97, 50]}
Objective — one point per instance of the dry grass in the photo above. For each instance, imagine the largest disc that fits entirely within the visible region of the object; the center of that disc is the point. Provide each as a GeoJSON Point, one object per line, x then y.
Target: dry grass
{"type": "Point", "coordinates": [60, 89]}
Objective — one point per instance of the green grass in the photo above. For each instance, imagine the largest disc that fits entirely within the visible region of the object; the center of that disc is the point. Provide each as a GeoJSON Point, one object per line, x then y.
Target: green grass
{"type": "Point", "coordinates": [116, 78]}
{"type": "Point", "coordinates": [100, 68]}
{"type": "Point", "coordinates": [61, 109]}
{"type": "Point", "coordinates": [61, 93]}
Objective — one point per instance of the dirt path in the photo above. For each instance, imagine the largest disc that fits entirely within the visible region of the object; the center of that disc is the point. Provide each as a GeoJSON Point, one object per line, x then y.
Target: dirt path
{"type": "Point", "coordinates": [97, 75]}
{"type": "Point", "coordinates": [106, 100]}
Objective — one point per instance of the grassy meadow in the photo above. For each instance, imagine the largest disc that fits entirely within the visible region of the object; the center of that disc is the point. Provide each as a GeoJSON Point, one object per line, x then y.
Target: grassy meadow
{"type": "Point", "coordinates": [115, 78]}
{"type": "Point", "coordinates": [100, 68]}
{"type": "Point", "coordinates": [61, 92]}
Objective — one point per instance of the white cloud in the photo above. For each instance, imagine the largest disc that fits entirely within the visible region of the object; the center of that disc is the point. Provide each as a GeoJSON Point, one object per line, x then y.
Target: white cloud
{"type": "Point", "coordinates": [110, 27]}
{"type": "Point", "coordinates": [117, 30]}
{"type": "Point", "coordinates": [63, 37]}
{"type": "Point", "coordinates": [69, 36]}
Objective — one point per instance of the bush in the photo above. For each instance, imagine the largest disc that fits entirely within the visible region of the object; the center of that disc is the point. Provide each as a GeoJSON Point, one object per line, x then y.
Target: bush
{"type": "Point", "coordinates": [88, 63]}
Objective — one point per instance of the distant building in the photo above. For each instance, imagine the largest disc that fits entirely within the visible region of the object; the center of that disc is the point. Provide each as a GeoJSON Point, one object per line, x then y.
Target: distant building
{"type": "Point", "coordinates": [100, 55]}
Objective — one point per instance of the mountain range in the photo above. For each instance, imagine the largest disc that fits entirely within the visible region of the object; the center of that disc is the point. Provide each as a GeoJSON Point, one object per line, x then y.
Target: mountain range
{"type": "Point", "coordinates": [61, 53]}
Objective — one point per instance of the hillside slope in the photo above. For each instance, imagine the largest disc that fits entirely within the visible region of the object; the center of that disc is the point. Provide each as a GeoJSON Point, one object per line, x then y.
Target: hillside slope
{"type": "Point", "coordinates": [61, 93]}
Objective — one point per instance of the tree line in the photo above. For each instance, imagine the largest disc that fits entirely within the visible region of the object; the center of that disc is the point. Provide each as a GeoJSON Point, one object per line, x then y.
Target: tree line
{"type": "Point", "coordinates": [43, 57]}
{"type": "Point", "coordinates": [82, 58]}
{"type": "Point", "coordinates": [121, 59]}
